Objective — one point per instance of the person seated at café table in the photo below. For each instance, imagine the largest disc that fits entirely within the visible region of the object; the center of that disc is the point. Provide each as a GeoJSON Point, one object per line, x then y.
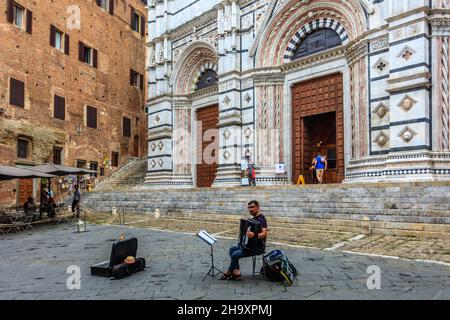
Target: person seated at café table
{"type": "Point", "coordinates": [29, 207]}
{"type": "Point", "coordinates": [51, 209]}
{"type": "Point", "coordinates": [44, 203]}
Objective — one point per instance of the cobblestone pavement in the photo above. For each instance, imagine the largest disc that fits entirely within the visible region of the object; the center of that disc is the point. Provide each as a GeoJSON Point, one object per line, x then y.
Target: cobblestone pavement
{"type": "Point", "coordinates": [36, 263]}
{"type": "Point", "coordinates": [308, 235]}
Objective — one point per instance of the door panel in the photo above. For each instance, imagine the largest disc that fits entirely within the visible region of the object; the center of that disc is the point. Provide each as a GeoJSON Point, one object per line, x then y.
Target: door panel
{"type": "Point", "coordinates": [207, 118]}
{"type": "Point", "coordinates": [25, 190]}
{"type": "Point", "coordinates": [318, 126]}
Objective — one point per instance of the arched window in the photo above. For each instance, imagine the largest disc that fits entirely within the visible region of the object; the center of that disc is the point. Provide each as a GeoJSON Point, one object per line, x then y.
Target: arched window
{"type": "Point", "coordinates": [316, 41]}
{"type": "Point", "coordinates": [207, 79]}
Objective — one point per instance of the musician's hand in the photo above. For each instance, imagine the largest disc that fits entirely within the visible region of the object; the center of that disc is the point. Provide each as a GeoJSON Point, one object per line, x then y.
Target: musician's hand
{"type": "Point", "coordinates": [250, 234]}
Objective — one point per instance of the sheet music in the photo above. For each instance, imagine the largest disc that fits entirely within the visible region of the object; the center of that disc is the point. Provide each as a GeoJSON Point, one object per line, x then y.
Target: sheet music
{"type": "Point", "coordinates": [205, 236]}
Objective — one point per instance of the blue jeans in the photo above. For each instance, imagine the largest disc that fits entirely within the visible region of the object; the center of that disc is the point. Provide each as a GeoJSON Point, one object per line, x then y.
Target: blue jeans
{"type": "Point", "coordinates": [235, 254]}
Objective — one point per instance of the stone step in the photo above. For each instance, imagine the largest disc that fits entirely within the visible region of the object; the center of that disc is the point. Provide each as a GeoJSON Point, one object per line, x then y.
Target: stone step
{"type": "Point", "coordinates": [287, 206]}
{"type": "Point", "coordinates": [417, 209]}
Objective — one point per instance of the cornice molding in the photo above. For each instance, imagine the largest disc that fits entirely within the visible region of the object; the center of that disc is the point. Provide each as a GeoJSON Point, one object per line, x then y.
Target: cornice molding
{"type": "Point", "coordinates": [196, 24]}
{"type": "Point", "coordinates": [206, 92]}
{"type": "Point", "coordinates": [317, 58]}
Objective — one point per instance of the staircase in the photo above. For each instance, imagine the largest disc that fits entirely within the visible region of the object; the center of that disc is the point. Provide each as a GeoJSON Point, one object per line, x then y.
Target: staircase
{"type": "Point", "coordinates": [129, 176]}
{"type": "Point", "coordinates": [404, 209]}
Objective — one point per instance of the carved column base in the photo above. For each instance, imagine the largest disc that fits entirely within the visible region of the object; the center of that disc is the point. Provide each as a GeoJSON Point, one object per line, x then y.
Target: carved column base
{"type": "Point", "coordinates": [402, 167]}
{"type": "Point", "coordinates": [168, 181]}
{"type": "Point", "coordinates": [228, 176]}
{"type": "Point", "coordinates": [266, 176]}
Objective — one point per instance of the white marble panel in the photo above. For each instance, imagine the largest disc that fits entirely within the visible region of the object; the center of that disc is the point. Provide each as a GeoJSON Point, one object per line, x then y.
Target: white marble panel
{"type": "Point", "coordinates": [379, 135]}
{"type": "Point", "coordinates": [378, 89]}
{"type": "Point", "coordinates": [420, 106]}
{"type": "Point", "coordinates": [420, 53]}
{"type": "Point", "coordinates": [378, 109]}
{"type": "Point", "coordinates": [420, 132]}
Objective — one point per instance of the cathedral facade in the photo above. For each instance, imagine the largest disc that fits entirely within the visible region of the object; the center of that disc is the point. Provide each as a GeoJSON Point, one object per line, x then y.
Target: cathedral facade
{"type": "Point", "coordinates": [364, 82]}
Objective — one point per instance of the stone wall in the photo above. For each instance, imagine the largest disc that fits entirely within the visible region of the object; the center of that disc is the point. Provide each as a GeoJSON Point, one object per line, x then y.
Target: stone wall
{"type": "Point", "coordinates": [46, 71]}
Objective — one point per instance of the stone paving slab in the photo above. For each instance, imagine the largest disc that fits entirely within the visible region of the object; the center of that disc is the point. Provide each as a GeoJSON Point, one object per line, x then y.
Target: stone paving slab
{"type": "Point", "coordinates": [177, 263]}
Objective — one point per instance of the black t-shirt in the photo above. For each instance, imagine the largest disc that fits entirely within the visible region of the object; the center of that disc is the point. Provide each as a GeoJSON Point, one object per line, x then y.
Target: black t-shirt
{"type": "Point", "coordinates": [263, 223]}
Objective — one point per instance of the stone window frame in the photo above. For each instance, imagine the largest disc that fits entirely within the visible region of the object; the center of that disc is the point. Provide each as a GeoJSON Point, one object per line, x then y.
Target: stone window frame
{"type": "Point", "coordinates": [126, 127]}
{"type": "Point", "coordinates": [94, 165]}
{"type": "Point", "coordinates": [107, 5]}
{"type": "Point", "coordinates": [28, 147]}
{"type": "Point", "coordinates": [64, 42]}
{"type": "Point", "coordinates": [114, 159]}
{"type": "Point", "coordinates": [83, 48]}
{"type": "Point", "coordinates": [17, 7]}
{"type": "Point", "coordinates": [81, 163]}
{"type": "Point", "coordinates": [137, 22]}
{"type": "Point", "coordinates": [26, 23]}
{"type": "Point", "coordinates": [59, 149]}
{"type": "Point", "coordinates": [136, 79]}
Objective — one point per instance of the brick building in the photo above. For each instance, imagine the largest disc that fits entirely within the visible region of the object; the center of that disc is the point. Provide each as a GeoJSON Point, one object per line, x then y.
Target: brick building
{"type": "Point", "coordinates": [71, 86]}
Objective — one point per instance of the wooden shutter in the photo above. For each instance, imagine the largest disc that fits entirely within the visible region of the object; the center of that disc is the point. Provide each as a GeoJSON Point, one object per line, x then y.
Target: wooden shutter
{"type": "Point", "coordinates": [91, 117]}
{"type": "Point", "coordinates": [52, 35]}
{"type": "Point", "coordinates": [66, 44]}
{"type": "Point", "coordinates": [59, 108]}
{"type": "Point", "coordinates": [141, 81]}
{"type": "Point", "coordinates": [10, 11]}
{"type": "Point", "coordinates": [131, 77]}
{"type": "Point", "coordinates": [142, 25]}
{"type": "Point", "coordinates": [17, 93]}
{"type": "Point", "coordinates": [81, 51]}
{"type": "Point", "coordinates": [111, 7]}
{"type": "Point", "coordinates": [132, 18]}
{"type": "Point", "coordinates": [127, 127]}
{"type": "Point", "coordinates": [29, 27]}
{"type": "Point", "coordinates": [94, 63]}
{"type": "Point", "coordinates": [114, 159]}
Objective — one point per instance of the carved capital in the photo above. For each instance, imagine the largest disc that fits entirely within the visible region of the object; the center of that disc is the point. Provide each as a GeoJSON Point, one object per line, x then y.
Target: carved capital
{"type": "Point", "coordinates": [440, 26]}
{"type": "Point", "coordinates": [357, 51]}
{"type": "Point", "coordinates": [268, 78]}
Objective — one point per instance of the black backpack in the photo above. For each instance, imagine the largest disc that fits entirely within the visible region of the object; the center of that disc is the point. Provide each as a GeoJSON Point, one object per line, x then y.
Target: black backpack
{"type": "Point", "coordinates": [278, 268]}
{"type": "Point", "coordinates": [123, 270]}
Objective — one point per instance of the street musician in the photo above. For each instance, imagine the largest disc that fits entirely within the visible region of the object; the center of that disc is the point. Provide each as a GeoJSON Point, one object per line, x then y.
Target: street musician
{"type": "Point", "coordinates": [252, 240]}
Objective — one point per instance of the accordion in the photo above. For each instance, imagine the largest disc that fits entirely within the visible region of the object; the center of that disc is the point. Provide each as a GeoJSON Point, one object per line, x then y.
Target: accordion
{"type": "Point", "coordinates": [246, 243]}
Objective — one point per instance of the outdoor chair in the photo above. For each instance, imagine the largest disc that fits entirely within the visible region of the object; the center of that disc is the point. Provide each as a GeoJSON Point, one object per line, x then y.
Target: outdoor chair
{"type": "Point", "coordinates": [19, 221]}
{"type": "Point", "coordinates": [254, 261]}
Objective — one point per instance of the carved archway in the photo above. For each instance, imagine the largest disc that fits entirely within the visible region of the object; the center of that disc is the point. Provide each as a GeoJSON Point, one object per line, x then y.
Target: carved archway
{"type": "Point", "coordinates": [312, 27]}
{"type": "Point", "coordinates": [206, 77]}
{"type": "Point", "coordinates": [283, 27]}
{"type": "Point", "coordinates": [194, 60]}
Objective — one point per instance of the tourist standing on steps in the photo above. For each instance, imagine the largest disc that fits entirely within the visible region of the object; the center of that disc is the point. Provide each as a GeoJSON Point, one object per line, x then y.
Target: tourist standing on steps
{"type": "Point", "coordinates": [251, 172]}
{"type": "Point", "coordinates": [320, 164]}
{"type": "Point", "coordinates": [76, 200]}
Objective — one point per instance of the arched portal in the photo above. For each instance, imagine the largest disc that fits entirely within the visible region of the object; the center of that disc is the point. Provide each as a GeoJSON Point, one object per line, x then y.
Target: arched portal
{"type": "Point", "coordinates": [194, 73]}
{"type": "Point", "coordinates": [310, 100]}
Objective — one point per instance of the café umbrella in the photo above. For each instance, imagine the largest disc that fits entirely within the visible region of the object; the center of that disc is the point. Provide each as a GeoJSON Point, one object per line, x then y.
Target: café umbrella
{"type": "Point", "coordinates": [60, 170]}
{"type": "Point", "coordinates": [10, 173]}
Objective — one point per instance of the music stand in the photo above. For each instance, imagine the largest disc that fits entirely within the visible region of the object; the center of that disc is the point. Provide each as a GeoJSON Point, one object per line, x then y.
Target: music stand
{"type": "Point", "coordinates": [209, 240]}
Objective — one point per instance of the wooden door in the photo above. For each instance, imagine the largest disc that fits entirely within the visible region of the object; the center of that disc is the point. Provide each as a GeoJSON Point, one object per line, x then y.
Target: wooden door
{"type": "Point", "coordinates": [317, 124]}
{"type": "Point", "coordinates": [136, 146]}
{"type": "Point", "coordinates": [207, 118]}
{"type": "Point", "coordinates": [25, 190]}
